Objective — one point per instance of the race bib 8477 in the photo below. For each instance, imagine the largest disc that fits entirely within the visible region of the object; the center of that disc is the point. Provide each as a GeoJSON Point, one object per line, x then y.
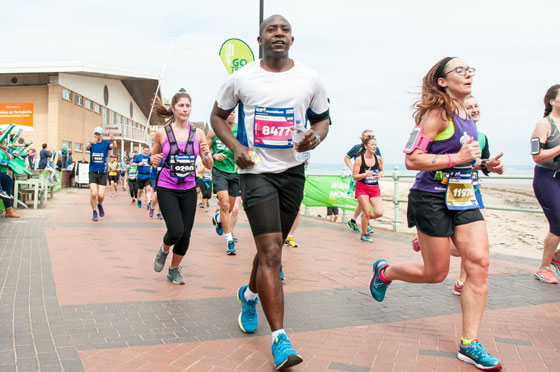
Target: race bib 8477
{"type": "Point", "coordinates": [273, 127]}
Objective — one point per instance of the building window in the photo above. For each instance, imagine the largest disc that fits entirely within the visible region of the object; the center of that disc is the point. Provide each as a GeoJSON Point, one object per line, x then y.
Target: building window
{"type": "Point", "coordinates": [112, 117]}
{"type": "Point", "coordinates": [105, 115]}
{"type": "Point", "coordinates": [78, 147]}
{"type": "Point", "coordinates": [87, 104]}
{"type": "Point", "coordinates": [66, 94]}
{"type": "Point", "coordinates": [78, 100]}
{"type": "Point", "coordinates": [96, 108]}
{"type": "Point", "coordinates": [119, 119]}
{"type": "Point", "coordinates": [67, 144]}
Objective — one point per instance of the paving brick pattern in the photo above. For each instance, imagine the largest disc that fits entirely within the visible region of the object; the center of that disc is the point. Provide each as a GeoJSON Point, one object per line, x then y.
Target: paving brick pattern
{"type": "Point", "coordinates": [33, 331]}
{"type": "Point", "coordinates": [79, 296]}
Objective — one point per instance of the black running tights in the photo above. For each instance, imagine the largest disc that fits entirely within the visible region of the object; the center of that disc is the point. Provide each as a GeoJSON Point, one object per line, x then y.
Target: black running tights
{"type": "Point", "coordinates": [178, 208]}
{"type": "Point", "coordinates": [133, 188]}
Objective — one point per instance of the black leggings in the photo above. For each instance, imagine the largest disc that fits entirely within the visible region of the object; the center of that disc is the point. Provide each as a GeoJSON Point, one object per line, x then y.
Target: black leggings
{"type": "Point", "coordinates": [178, 208]}
{"type": "Point", "coordinates": [133, 188]}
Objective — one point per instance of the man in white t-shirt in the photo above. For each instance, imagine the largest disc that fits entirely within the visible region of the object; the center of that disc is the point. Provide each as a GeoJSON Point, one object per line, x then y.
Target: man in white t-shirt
{"type": "Point", "coordinates": [273, 95]}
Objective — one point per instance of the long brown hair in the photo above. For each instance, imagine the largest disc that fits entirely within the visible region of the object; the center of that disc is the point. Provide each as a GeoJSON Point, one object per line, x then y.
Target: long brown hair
{"type": "Point", "coordinates": [433, 95]}
{"type": "Point", "coordinates": [551, 93]}
{"type": "Point", "coordinates": [165, 112]}
{"type": "Point", "coordinates": [365, 142]}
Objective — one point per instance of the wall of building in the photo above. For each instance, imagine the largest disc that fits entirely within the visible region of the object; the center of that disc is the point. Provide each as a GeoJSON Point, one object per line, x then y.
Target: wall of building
{"type": "Point", "coordinates": [93, 88]}
{"type": "Point", "coordinates": [39, 96]}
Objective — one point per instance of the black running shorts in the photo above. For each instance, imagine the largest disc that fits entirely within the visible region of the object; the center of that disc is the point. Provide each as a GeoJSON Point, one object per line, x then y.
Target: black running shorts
{"type": "Point", "coordinates": [272, 200]}
{"type": "Point", "coordinates": [427, 211]}
{"type": "Point", "coordinates": [99, 178]}
{"type": "Point", "coordinates": [143, 183]}
{"type": "Point", "coordinates": [226, 181]}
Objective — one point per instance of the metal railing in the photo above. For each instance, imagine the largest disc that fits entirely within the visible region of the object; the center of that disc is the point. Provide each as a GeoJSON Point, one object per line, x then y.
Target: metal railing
{"type": "Point", "coordinates": [397, 201]}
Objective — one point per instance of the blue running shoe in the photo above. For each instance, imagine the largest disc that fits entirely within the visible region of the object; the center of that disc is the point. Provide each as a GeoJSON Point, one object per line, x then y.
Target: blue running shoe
{"type": "Point", "coordinates": [94, 218]}
{"type": "Point", "coordinates": [366, 238]}
{"type": "Point", "coordinates": [139, 203]}
{"type": "Point", "coordinates": [282, 277]}
{"type": "Point", "coordinates": [353, 225]}
{"type": "Point", "coordinates": [476, 354]}
{"type": "Point", "coordinates": [219, 229]}
{"type": "Point", "coordinates": [101, 210]}
{"type": "Point", "coordinates": [369, 229]}
{"type": "Point", "coordinates": [248, 318]}
{"type": "Point", "coordinates": [284, 354]}
{"type": "Point", "coordinates": [151, 213]}
{"type": "Point", "coordinates": [231, 248]}
{"type": "Point", "coordinates": [174, 276]}
{"type": "Point", "coordinates": [378, 287]}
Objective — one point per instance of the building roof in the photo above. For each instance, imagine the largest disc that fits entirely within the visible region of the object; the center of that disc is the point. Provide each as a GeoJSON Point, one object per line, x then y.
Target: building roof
{"type": "Point", "coordinates": [141, 86]}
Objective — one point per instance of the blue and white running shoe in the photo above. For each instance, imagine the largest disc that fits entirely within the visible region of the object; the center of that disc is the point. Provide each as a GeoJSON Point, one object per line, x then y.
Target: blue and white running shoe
{"type": "Point", "coordinates": [476, 354]}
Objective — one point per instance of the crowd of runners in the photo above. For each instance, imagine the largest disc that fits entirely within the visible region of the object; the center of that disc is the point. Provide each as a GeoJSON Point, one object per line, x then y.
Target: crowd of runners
{"type": "Point", "coordinates": [254, 161]}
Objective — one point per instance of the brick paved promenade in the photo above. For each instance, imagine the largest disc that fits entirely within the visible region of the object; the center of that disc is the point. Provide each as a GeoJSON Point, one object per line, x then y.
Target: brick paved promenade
{"type": "Point", "coordinates": [82, 296]}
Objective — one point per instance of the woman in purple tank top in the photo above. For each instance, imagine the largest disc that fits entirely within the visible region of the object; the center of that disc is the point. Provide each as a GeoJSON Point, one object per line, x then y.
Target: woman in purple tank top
{"type": "Point", "coordinates": [440, 203]}
{"type": "Point", "coordinates": [176, 147]}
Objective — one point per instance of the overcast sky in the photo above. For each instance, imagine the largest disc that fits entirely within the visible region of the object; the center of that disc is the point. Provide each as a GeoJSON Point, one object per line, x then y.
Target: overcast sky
{"type": "Point", "coordinates": [371, 55]}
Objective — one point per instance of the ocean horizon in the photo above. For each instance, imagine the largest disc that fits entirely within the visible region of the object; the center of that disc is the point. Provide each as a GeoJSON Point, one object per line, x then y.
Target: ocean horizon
{"type": "Point", "coordinates": [337, 169]}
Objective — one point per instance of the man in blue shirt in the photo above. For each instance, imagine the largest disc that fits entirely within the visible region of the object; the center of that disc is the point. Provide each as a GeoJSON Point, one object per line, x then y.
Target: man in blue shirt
{"type": "Point", "coordinates": [44, 156]}
{"type": "Point", "coordinates": [350, 156]}
{"type": "Point", "coordinates": [98, 153]}
{"type": "Point", "coordinates": [142, 161]}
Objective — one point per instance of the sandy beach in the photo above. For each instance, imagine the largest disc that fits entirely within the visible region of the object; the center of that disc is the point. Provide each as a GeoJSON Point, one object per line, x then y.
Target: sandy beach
{"type": "Point", "coordinates": [515, 233]}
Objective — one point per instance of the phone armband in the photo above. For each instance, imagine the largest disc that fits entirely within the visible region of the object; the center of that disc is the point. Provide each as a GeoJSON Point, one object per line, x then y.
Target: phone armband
{"type": "Point", "coordinates": [417, 140]}
{"type": "Point", "coordinates": [536, 146]}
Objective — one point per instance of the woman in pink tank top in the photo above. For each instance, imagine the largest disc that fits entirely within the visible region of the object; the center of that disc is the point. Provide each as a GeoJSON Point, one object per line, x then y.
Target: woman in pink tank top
{"type": "Point", "coordinates": [176, 147]}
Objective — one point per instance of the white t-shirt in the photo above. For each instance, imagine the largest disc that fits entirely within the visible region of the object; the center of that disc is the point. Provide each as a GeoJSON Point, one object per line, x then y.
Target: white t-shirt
{"type": "Point", "coordinates": [270, 104]}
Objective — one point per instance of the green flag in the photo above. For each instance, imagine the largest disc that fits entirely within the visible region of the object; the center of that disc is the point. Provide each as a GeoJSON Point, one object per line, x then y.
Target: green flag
{"type": "Point", "coordinates": [235, 53]}
{"type": "Point", "coordinates": [331, 191]}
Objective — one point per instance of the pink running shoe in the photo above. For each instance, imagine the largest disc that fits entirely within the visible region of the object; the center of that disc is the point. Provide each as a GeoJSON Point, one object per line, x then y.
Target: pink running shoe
{"type": "Point", "coordinates": [415, 244]}
{"type": "Point", "coordinates": [545, 274]}
{"type": "Point", "coordinates": [556, 264]}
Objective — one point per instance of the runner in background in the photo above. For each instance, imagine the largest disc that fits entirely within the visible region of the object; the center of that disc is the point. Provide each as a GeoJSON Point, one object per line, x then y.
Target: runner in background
{"type": "Point", "coordinates": [368, 169]}
{"type": "Point", "coordinates": [176, 147]}
{"type": "Point", "coordinates": [114, 171]}
{"type": "Point", "coordinates": [204, 184]}
{"type": "Point", "coordinates": [142, 161]}
{"type": "Point", "coordinates": [545, 149]}
{"type": "Point", "coordinates": [351, 155]}
{"type": "Point", "coordinates": [226, 184]}
{"type": "Point", "coordinates": [332, 214]}
{"type": "Point", "coordinates": [123, 164]}
{"type": "Point", "coordinates": [153, 195]}
{"type": "Point", "coordinates": [98, 158]}
{"type": "Point", "coordinates": [131, 173]}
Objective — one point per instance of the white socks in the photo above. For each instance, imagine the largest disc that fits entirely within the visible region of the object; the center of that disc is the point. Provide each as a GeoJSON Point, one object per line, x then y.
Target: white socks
{"type": "Point", "coordinates": [229, 236]}
{"type": "Point", "coordinates": [250, 296]}
{"type": "Point", "coordinates": [277, 333]}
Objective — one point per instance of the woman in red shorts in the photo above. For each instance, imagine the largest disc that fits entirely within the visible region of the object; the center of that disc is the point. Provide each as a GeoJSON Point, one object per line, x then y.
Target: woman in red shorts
{"type": "Point", "coordinates": [368, 169]}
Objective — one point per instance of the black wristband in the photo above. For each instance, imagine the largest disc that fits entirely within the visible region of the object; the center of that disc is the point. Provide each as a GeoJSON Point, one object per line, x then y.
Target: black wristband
{"type": "Point", "coordinates": [483, 167]}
